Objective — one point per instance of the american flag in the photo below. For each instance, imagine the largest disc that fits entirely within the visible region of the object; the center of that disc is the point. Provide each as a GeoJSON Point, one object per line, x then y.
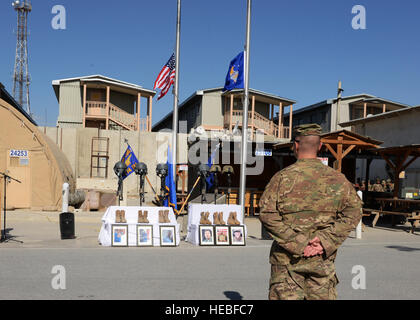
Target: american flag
{"type": "Point", "coordinates": [166, 77]}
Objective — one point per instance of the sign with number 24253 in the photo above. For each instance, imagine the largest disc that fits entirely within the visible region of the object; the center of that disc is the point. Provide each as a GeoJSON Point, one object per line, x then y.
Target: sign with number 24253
{"type": "Point", "coordinates": [19, 153]}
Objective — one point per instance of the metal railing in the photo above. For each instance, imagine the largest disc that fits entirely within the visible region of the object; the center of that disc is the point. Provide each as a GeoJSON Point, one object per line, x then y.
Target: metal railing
{"type": "Point", "coordinates": [260, 123]}
{"type": "Point", "coordinates": [116, 114]}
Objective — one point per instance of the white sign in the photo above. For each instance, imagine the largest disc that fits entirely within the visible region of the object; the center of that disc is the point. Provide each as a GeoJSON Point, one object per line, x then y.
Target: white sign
{"type": "Point", "coordinates": [19, 154]}
{"type": "Point", "coordinates": [325, 161]}
{"type": "Point", "coordinates": [183, 168]}
{"type": "Point", "coordinates": [264, 153]}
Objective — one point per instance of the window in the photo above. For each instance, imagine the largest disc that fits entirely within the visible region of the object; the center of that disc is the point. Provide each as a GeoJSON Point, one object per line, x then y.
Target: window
{"type": "Point", "coordinates": [313, 118]}
{"type": "Point", "coordinates": [323, 117]}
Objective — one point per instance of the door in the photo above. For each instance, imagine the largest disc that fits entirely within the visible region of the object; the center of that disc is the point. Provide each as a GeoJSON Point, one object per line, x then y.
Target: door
{"type": "Point", "coordinates": [19, 167]}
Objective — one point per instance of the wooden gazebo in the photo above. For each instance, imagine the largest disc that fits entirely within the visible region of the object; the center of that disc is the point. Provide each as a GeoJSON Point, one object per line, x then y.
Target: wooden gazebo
{"type": "Point", "coordinates": [342, 143]}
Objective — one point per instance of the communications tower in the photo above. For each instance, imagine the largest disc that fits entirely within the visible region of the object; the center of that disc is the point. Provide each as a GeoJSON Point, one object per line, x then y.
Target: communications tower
{"type": "Point", "coordinates": [21, 79]}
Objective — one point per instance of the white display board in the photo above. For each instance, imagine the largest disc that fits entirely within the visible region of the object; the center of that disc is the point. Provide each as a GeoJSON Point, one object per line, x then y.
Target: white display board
{"type": "Point", "coordinates": [194, 218]}
{"type": "Point", "coordinates": [131, 216]}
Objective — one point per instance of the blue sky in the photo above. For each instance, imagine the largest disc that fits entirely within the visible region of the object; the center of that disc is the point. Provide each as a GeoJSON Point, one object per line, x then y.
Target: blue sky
{"type": "Point", "coordinates": [299, 49]}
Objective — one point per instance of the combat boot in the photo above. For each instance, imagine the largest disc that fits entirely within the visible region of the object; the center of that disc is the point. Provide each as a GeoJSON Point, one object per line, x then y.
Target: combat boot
{"type": "Point", "coordinates": [117, 216]}
{"type": "Point", "coordinates": [221, 221]}
{"type": "Point", "coordinates": [141, 217]}
{"type": "Point", "coordinates": [123, 217]}
{"type": "Point", "coordinates": [203, 219]}
{"type": "Point", "coordinates": [207, 219]}
{"type": "Point", "coordinates": [166, 216]}
{"type": "Point", "coordinates": [161, 219]}
{"type": "Point", "coordinates": [145, 217]}
{"type": "Point", "coordinates": [230, 220]}
{"type": "Point", "coordinates": [216, 220]}
{"type": "Point", "coordinates": [235, 219]}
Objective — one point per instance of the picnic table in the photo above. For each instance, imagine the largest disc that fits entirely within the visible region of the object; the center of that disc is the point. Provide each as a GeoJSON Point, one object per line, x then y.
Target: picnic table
{"type": "Point", "coordinates": [409, 209]}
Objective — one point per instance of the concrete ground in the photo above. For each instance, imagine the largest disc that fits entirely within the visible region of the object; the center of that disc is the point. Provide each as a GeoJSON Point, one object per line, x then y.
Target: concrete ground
{"type": "Point", "coordinates": [389, 256]}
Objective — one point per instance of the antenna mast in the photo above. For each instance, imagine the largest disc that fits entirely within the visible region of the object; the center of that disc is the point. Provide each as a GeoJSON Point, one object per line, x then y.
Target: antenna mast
{"type": "Point", "coordinates": [21, 79]}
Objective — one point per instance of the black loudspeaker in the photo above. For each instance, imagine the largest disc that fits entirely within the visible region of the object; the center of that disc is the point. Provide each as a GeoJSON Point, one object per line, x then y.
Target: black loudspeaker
{"type": "Point", "coordinates": [67, 226]}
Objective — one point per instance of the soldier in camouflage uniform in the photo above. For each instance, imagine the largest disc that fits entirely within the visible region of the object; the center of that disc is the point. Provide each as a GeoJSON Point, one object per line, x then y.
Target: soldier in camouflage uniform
{"type": "Point", "coordinates": [377, 187]}
{"type": "Point", "coordinates": [391, 186]}
{"type": "Point", "coordinates": [309, 209]}
{"type": "Point", "coordinates": [370, 186]}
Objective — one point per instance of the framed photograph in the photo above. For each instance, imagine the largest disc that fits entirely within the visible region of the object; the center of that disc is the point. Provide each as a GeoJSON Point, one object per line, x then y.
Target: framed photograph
{"type": "Point", "coordinates": [145, 236]}
{"type": "Point", "coordinates": [222, 236]}
{"type": "Point", "coordinates": [167, 236]}
{"type": "Point", "coordinates": [119, 236]}
{"type": "Point", "coordinates": [207, 236]}
{"type": "Point", "coordinates": [237, 236]}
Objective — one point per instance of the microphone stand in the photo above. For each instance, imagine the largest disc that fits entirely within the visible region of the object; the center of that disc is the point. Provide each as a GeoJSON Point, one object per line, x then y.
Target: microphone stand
{"type": "Point", "coordinates": [4, 237]}
{"type": "Point", "coordinates": [163, 193]}
{"type": "Point", "coordinates": [216, 189]}
{"type": "Point", "coordinates": [120, 192]}
{"type": "Point", "coordinates": [142, 181]}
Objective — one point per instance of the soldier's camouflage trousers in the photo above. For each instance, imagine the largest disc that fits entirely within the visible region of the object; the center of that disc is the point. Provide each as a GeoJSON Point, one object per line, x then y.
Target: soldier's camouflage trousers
{"type": "Point", "coordinates": [288, 284]}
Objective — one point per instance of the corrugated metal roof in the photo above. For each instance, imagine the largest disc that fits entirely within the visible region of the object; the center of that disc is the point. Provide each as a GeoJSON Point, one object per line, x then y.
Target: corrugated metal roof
{"type": "Point", "coordinates": [387, 115]}
{"type": "Point", "coordinates": [359, 137]}
{"type": "Point", "coordinates": [101, 78]}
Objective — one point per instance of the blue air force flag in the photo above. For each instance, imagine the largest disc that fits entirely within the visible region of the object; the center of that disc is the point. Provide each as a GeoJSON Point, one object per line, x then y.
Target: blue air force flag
{"type": "Point", "coordinates": [130, 161]}
{"type": "Point", "coordinates": [235, 76]}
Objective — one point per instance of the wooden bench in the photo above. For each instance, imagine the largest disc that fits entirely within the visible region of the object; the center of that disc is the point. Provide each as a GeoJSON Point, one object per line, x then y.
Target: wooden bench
{"type": "Point", "coordinates": [254, 203]}
{"type": "Point", "coordinates": [415, 221]}
{"type": "Point", "coordinates": [379, 213]}
{"type": "Point", "coordinates": [367, 212]}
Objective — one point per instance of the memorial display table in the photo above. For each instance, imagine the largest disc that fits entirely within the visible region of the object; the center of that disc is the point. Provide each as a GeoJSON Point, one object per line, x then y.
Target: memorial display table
{"type": "Point", "coordinates": [132, 217]}
{"type": "Point", "coordinates": [194, 218]}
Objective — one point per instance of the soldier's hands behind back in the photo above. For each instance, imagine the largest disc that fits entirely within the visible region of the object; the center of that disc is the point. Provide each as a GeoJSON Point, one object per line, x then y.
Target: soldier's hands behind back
{"type": "Point", "coordinates": [314, 248]}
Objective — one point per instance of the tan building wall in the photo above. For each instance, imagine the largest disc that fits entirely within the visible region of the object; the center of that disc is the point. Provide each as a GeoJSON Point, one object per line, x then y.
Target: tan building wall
{"type": "Point", "coordinates": [212, 109]}
{"type": "Point", "coordinates": [71, 105]}
{"type": "Point", "coordinates": [395, 131]}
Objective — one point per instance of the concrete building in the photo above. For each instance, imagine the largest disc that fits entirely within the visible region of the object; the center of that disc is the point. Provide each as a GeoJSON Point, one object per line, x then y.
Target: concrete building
{"type": "Point", "coordinates": [395, 128]}
{"type": "Point", "coordinates": [101, 102]}
{"type": "Point", "coordinates": [27, 155]}
{"type": "Point", "coordinates": [214, 110]}
{"type": "Point", "coordinates": [350, 108]}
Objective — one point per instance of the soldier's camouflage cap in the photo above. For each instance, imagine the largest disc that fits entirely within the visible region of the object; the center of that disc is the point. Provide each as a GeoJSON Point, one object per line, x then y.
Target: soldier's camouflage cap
{"type": "Point", "coordinates": [307, 130]}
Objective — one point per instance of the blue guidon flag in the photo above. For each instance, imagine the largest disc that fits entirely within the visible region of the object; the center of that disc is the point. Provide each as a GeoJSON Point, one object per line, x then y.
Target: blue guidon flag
{"type": "Point", "coordinates": [171, 201]}
{"type": "Point", "coordinates": [130, 161]}
{"type": "Point", "coordinates": [235, 76]}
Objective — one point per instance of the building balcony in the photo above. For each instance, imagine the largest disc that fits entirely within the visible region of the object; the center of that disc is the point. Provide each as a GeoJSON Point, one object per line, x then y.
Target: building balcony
{"type": "Point", "coordinates": [257, 122]}
{"type": "Point", "coordinates": [262, 112]}
{"type": "Point", "coordinates": [114, 116]}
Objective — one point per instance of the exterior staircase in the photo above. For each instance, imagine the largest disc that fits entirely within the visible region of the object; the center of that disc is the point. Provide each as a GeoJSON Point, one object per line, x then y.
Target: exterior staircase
{"type": "Point", "coordinates": [98, 110]}
{"type": "Point", "coordinates": [260, 123]}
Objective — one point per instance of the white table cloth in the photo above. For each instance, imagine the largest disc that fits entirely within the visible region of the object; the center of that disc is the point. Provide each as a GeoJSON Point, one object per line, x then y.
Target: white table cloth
{"type": "Point", "coordinates": [131, 215]}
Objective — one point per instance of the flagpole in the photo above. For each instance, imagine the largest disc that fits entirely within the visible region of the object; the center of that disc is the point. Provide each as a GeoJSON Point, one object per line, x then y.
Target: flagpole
{"type": "Point", "coordinates": [244, 156]}
{"type": "Point", "coordinates": [176, 94]}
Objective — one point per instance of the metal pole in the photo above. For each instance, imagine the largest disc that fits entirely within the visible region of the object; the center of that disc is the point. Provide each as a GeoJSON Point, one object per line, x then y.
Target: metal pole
{"type": "Point", "coordinates": [176, 95]}
{"type": "Point", "coordinates": [244, 156]}
{"type": "Point", "coordinates": [339, 97]}
{"type": "Point", "coordinates": [3, 237]}
{"type": "Point", "coordinates": [359, 229]}
{"type": "Point", "coordinates": [66, 193]}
